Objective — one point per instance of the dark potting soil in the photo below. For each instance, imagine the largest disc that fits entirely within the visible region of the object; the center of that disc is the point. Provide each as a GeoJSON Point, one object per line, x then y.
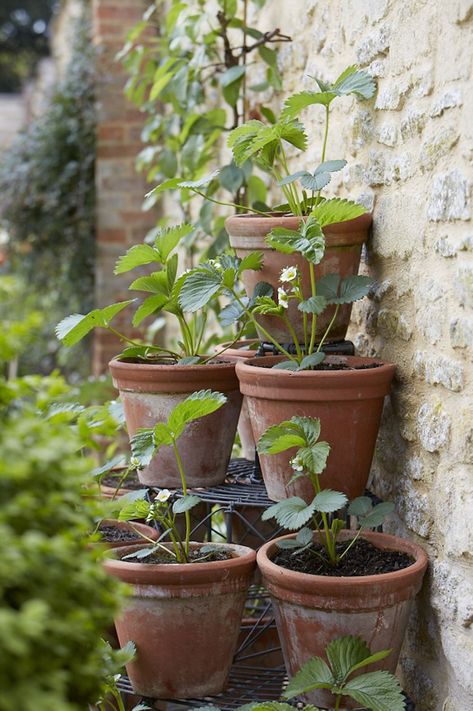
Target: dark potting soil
{"type": "Point", "coordinates": [131, 482]}
{"type": "Point", "coordinates": [193, 558]}
{"type": "Point", "coordinates": [363, 558]}
{"type": "Point", "coordinates": [111, 534]}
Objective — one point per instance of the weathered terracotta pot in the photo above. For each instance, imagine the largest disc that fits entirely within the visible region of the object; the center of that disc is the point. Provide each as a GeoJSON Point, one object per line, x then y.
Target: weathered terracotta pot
{"type": "Point", "coordinates": [312, 610]}
{"type": "Point", "coordinates": [148, 531]}
{"type": "Point", "coordinates": [242, 351]}
{"type": "Point", "coordinates": [348, 402]}
{"type": "Point", "coordinates": [150, 392]}
{"type": "Point", "coordinates": [343, 241]}
{"type": "Point", "coordinates": [184, 621]}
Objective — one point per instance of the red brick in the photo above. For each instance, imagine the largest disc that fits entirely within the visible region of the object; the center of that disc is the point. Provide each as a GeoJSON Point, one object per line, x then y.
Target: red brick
{"type": "Point", "coordinates": [107, 132]}
{"type": "Point", "coordinates": [116, 151]}
{"type": "Point", "coordinates": [129, 14]}
{"type": "Point", "coordinates": [117, 236]}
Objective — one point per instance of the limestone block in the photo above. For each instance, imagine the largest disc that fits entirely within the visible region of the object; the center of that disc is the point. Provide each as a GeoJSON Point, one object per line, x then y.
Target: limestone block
{"type": "Point", "coordinates": [374, 44]}
{"type": "Point", "coordinates": [437, 146]}
{"type": "Point", "coordinates": [390, 98]}
{"type": "Point", "coordinates": [412, 124]}
{"type": "Point", "coordinates": [461, 332]}
{"type": "Point", "coordinates": [388, 134]}
{"type": "Point", "coordinates": [392, 324]}
{"type": "Point", "coordinates": [433, 426]}
{"type": "Point", "coordinates": [452, 592]}
{"type": "Point", "coordinates": [448, 100]}
{"type": "Point", "coordinates": [440, 370]}
{"type": "Point", "coordinates": [449, 197]}
{"type": "Point", "coordinates": [446, 247]}
{"type": "Point", "coordinates": [464, 285]}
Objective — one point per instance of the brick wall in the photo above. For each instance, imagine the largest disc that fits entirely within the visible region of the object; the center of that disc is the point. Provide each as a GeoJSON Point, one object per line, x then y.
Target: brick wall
{"type": "Point", "coordinates": [120, 191]}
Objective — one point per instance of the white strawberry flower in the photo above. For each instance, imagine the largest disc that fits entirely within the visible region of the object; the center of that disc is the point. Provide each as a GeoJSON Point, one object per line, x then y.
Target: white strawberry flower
{"type": "Point", "coordinates": [296, 464]}
{"type": "Point", "coordinates": [163, 496]}
{"type": "Point", "coordinates": [288, 274]}
{"type": "Point", "coordinates": [283, 298]}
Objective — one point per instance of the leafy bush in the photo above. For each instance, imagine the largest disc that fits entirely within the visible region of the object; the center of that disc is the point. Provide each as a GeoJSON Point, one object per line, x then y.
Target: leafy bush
{"type": "Point", "coordinates": [56, 602]}
{"type": "Point", "coordinates": [48, 198]}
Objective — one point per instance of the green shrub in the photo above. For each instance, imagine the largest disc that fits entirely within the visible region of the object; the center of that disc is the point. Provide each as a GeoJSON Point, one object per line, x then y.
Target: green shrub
{"type": "Point", "coordinates": [56, 603]}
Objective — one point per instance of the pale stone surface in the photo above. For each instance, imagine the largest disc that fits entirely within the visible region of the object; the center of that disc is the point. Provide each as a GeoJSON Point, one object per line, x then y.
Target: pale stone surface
{"type": "Point", "coordinates": [410, 153]}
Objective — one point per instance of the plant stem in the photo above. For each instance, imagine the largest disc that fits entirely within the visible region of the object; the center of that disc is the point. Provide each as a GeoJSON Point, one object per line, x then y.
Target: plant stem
{"type": "Point", "coordinates": [313, 323]}
{"type": "Point", "coordinates": [337, 702]}
{"type": "Point", "coordinates": [230, 204]}
{"type": "Point", "coordinates": [184, 491]}
{"type": "Point", "coordinates": [263, 330]}
{"type": "Point", "coordinates": [324, 147]}
{"type": "Point", "coordinates": [294, 337]}
{"type": "Point", "coordinates": [329, 327]}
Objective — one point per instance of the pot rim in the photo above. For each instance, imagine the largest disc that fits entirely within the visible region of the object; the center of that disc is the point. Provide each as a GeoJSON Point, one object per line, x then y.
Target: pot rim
{"type": "Point", "coordinates": [242, 222]}
{"type": "Point", "coordinates": [127, 525]}
{"type": "Point", "coordinates": [179, 573]}
{"type": "Point", "coordinates": [336, 585]}
{"type": "Point", "coordinates": [250, 365]}
{"type": "Point", "coordinates": [161, 378]}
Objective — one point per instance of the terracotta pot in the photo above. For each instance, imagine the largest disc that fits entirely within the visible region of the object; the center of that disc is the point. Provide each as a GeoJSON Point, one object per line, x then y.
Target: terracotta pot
{"type": "Point", "coordinates": [343, 242]}
{"type": "Point", "coordinates": [348, 402]}
{"type": "Point", "coordinates": [150, 392]}
{"type": "Point", "coordinates": [242, 351]}
{"type": "Point", "coordinates": [184, 621]}
{"type": "Point", "coordinates": [129, 526]}
{"type": "Point", "coordinates": [312, 610]}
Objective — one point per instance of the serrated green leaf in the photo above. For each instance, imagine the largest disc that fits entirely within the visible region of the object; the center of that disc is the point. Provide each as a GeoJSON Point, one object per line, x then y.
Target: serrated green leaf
{"type": "Point", "coordinates": [73, 328]}
{"type": "Point", "coordinates": [314, 458]}
{"type": "Point", "coordinates": [307, 240]}
{"type": "Point", "coordinates": [189, 360]}
{"type": "Point", "coordinates": [200, 183]}
{"type": "Point", "coordinates": [328, 501]}
{"type": "Point", "coordinates": [231, 177]}
{"type": "Point", "coordinates": [231, 75]}
{"type": "Point", "coordinates": [292, 178]}
{"type": "Point", "coordinates": [142, 446]}
{"type": "Point", "coordinates": [137, 256]}
{"type": "Point", "coordinates": [360, 506]}
{"type": "Point", "coordinates": [162, 436]}
{"type": "Point", "coordinates": [314, 182]}
{"type": "Point", "coordinates": [118, 461]}
{"type": "Point", "coordinates": [156, 283]}
{"type": "Point", "coordinates": [354, 288]}
{"type": "Point", "coordinates": [286, 365]}
{"type": "Point", "coordinates": [291, 513]}
{"type": "Point", "coordinates": [197, 405]}
{"type": "Point", "coordinates": [279, 438]}
{"type": "Point", "coordinates": [355, 81]}
{"type": "Point", "coordinates": [231, 313]}
{"type": "Point", "coordinates": [312, 360]}
{"type": "Point", "coordinates": [343, 653]}
{"type": "Point", "coordinates": [335, 210]}
{"type": "Point", "coordinates": [198, 288]}
{"type": "Point", "coordinates": [372, 659]}
{"type": "Point", "coordinates": [171, 184]}
{"type": "Point", "coordinates": [296, 103]}
{"type": "Point", "coordinates": [376, 516]}
{"type": "Point", "coordinates": [133, 510]}
{"type": "Point", "coordinates": [185, 503]}
{"type": "Point", "coordinates": [313, 305]}
{"type": "Point", "coordinates": [168, 238]}
{"type": "Point", "coordinates": [315, 674]}
{"type": "Point", "coordinates": [377, 691]}
{"type": "Point", "coordinates": [253, 261]}
{"type": "Point", "coordinates": [305, 536]}
{"type": "Point", "coordinates": [149, 306]}
{"type": "Point", "coordinates": [266, 306]}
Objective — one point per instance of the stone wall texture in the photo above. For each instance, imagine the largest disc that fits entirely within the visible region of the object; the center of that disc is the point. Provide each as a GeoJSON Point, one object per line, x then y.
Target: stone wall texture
{"type": "Point", "coordinates": [409, 155]}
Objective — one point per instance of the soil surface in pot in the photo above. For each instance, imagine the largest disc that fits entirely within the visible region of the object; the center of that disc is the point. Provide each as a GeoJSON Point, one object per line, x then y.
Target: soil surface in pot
{"type": "Point", "coordinates": [131, 481]}
{"type": "Point", "coordinates": [161, 558]}
{"type": "Point", "coordinates": [111, 534]}
{"type": "Point", "coordinates": [331, 366]}
{"type": "Point", "coordinates": [362, 559]}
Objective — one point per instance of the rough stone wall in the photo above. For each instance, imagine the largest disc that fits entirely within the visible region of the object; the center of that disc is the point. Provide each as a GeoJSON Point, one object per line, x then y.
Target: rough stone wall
{"type": "Point", "coordinates": [409, 158]}
{"type": "Point", "coordinates": [120, 190]}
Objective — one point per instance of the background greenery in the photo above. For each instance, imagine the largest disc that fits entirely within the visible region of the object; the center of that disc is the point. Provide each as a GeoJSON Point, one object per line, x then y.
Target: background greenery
{"type": "Point", "coordinates": [47, 201]}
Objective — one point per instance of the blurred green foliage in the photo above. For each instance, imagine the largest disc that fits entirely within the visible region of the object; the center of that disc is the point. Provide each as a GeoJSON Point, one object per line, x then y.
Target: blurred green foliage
{"type": "Point", "coordinates": [47, 206]}
{"type": "Point", "coordinates": [56, 602]}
